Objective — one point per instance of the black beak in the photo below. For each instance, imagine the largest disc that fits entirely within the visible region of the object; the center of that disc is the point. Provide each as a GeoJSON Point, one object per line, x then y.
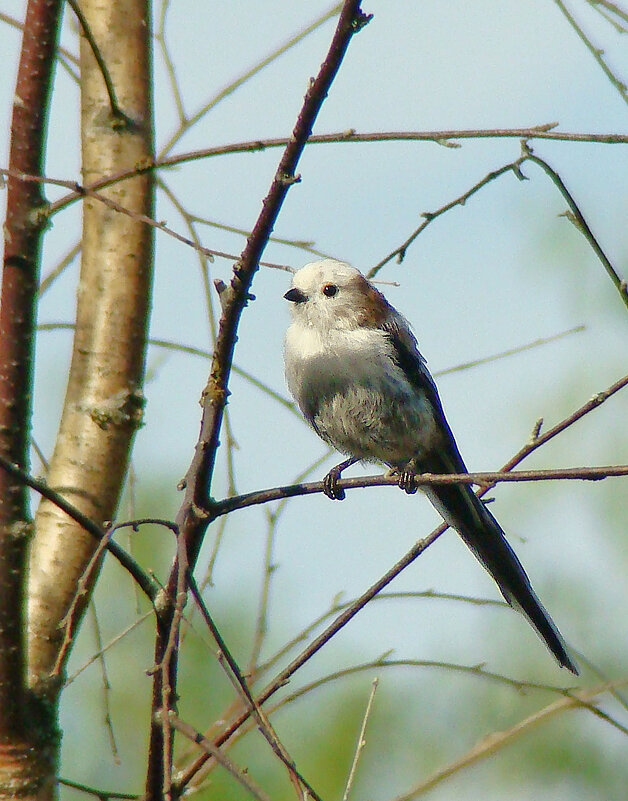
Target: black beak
{"type": "Point", "coordinates": [295, 295]}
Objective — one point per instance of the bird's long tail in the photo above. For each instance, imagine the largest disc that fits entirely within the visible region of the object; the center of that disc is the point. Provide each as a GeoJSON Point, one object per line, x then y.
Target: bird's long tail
{"type": "Point", "coordinates": [465, 512]}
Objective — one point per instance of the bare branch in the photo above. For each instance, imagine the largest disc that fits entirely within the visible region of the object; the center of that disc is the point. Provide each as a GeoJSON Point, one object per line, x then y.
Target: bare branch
{"type": "Point", "coordinates": [490, 745]}
{"type": "Point", "coordinates": [239, 682]}
{"type": "Point", "coordinates": [188, 122]}
{"type": "Point", "coordinates": [20, 278]}
{"type": "Point", "coordinates": [361, 741]}
{"type": "Point", "coordinates": [422, 480]}
{"type": "Point", "coordinates": [351, 136]}
{"type": "Point", "coordinates": [116, 111]}
{"type": "Point", "coordinates": [597, 54]}
{"type": "Point", "coordinates": [196, 737]}
{"type": "Point", "coordinates": [145, 582]}
{"type": "Point", "coordinates": [193, 518]}
{"type": "Point", "coordinates": [581, 223]}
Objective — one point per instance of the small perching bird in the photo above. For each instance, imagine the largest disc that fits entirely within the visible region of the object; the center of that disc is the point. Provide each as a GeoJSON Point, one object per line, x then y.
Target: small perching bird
{"type": "Point", "coordinates": [353, 367]}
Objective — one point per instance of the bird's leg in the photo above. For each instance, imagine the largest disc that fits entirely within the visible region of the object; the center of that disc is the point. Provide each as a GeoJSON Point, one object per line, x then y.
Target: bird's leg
{"type": "Point", "coordinates": [407, 476]}
{"type": "Point", "coordinates": [330, 482]}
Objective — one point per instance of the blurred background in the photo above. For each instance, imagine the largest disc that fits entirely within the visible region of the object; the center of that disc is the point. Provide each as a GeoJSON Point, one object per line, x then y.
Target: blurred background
{"type": "Point", "coordinates": [502, 271]}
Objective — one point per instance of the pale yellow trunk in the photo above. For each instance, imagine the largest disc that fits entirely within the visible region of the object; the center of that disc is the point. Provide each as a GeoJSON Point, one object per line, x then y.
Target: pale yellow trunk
{"type": "Point", "coordinates": [103, 404]}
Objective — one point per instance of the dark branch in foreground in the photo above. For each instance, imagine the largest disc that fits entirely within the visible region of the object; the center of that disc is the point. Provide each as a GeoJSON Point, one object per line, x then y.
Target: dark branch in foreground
{"type": "Point", "coordinates": [144, 581]}
{"type": "Point", "coordinates": [193, 518]}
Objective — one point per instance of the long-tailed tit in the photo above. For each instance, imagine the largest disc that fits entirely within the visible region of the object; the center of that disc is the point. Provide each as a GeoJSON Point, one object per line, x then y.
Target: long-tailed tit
{"type": "Point", "coordinates": [353, 366]}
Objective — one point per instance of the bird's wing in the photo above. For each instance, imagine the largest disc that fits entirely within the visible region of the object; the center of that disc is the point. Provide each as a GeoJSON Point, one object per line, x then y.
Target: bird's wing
{"type": "Point", "coordinates": [408, 357]}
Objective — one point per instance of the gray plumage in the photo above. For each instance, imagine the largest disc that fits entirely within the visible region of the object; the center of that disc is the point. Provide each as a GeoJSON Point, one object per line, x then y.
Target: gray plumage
{"type": "Point", "coordinates": [354, 368]}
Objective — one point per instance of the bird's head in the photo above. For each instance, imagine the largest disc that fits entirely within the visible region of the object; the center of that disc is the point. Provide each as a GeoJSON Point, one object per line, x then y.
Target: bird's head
{"type": "Point", "coordinates": [330, 294]}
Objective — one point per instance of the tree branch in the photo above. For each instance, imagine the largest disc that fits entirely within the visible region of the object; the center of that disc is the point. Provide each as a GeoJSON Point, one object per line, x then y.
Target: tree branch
{"type": "Point", "coordinates": [193, 518]}
{"type": "Point", "coordinates": [23, 234]}
{"type": "Point", "coordinates": [544, 131]}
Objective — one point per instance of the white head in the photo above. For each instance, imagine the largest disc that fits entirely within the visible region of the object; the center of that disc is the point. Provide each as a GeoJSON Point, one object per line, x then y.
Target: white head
{"type": "Point", "coordinates": [332, 294]}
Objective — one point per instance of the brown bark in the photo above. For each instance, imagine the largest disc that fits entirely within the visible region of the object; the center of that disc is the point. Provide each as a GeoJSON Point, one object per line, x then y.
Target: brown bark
{"type": "Point", "coordinates": [27, 737]}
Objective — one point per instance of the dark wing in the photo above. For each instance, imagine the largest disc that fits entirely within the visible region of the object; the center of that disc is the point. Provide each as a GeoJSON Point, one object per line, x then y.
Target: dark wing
{"type": "Point", "coordinates": [463, 510]}
{"type": "Point", "coordinates": [408, 357]}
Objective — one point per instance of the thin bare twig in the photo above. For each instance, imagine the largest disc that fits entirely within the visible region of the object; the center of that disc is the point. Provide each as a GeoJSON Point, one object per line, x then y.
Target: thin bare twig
{"type": "Point", "coordinates": [103, 795]}
{"type": "Point", "coordinates": [56, 271]}
{"type": "Point", "coordinates": [145, 582]}
{"type": "Point", "coordinates": [351, 136]}
{"type": "Point", "coordinates": [160, 37]}
{"type": "Point", "coordinates": [337, 607]}
{"type": "Point", "coordinates": [116, 111]}
{"type": "Point", "coordinates": [597, 54]}
{"type": "Point", "coordinates": [237, 679]}
{"type": "Point", "coordinates": [210, 749]}
{"type": "Point", "coordinates": [489, 745]}
{"type": "Point", "coordinates": [75, 611]}
{"type": "Point", "coordinates": [430, 216]}
{"type": "Point", "coordinates": [527, 154]}
{"type": "Point", "coordinates": [581, 223]}
{"type": "Point", "coordinates": [612, 8]}
{"type": "Point", "coordinates": [510, 352]}
{"type": "Point", "coordinates": [361, 741]}
{"type": "Point", "coordinates": [187, 122]}
{"type": "Point", "coordinates": [106, 684]}
{"type": "Point", "coordinates": [261, 625]}
{"type": "Point", "coordinates": [114, 641]}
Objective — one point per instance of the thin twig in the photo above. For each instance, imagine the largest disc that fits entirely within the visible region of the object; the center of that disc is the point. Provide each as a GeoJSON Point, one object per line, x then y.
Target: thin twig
{"type": "Point", "coordinates": [308, 247]}
{"type": "Point", "coordinates": [116, 111]}
{"type": "Point", "coordinates": [146, 583]}
{"type": "Point", "coordinates": [261, 625]}
{"type": "Point", "coordinates": [361, 741]}
{"type": "Point", "coordinates": [103, 795]}
{"type": "Point", "coordinates": [510, 352]}
{"type": "Point", "coordinates": [235, 675]}
{"type": "Point", "coordinates": [187, 122]}
{"type": "Point", "coordinates": [106, 684]}
{"type": "Point", "coordinates": [114, 641]}
{"type": "Point", "coordinates": [337, 607]}
{"type": "Point", "coordinates": [56, 271]}
{"type": "Point", "coordinates": [430, 216]}
{"type": "Point", "coordinates": [160, 36]}
{"type": "Point", "coordinates": [73, 615]}
{"type": "Point", "coordinates": [228, 764]}
{"type": "Point", "coordinates": [527, 154]}
{"type": "Point", "coordinates": [581, 223]}
{"type": "Point", "coordinates": [597, 54]}
{"type": "Point", "coordinates": [351, 136]}
{"type": "Point", "coordinates": [489, 745]}
{"type": "Point", "coordinates": [613, 8]}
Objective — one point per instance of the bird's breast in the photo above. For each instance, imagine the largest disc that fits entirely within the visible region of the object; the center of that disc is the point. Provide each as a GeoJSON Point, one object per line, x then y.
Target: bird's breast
{"type": "Point", "coordinates": [357, 397]}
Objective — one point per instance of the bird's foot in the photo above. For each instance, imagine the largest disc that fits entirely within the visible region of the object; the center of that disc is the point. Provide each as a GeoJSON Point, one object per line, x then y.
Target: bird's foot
{"type": "Point", "coordinates": [406, 478]}
{"type": "Point", "coordinates": [330, 482]}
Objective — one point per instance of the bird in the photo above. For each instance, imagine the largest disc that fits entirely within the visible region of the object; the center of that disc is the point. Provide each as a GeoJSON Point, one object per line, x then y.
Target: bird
{"type": "Point", "coordinates": [353, 366]}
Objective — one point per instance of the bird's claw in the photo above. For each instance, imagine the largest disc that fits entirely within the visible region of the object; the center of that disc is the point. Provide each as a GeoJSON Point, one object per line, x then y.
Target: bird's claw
{"type": "Point", "coordinates": [407, 482]}
{"type": "Point", "coordinates": [407, 475]}
{"type": "Point", "coordinates": [330, 484]}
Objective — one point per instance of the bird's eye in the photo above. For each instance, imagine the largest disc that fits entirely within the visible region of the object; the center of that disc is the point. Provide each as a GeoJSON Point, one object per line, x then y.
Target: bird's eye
{"type": "Point", "coordinates": [330, 290]}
